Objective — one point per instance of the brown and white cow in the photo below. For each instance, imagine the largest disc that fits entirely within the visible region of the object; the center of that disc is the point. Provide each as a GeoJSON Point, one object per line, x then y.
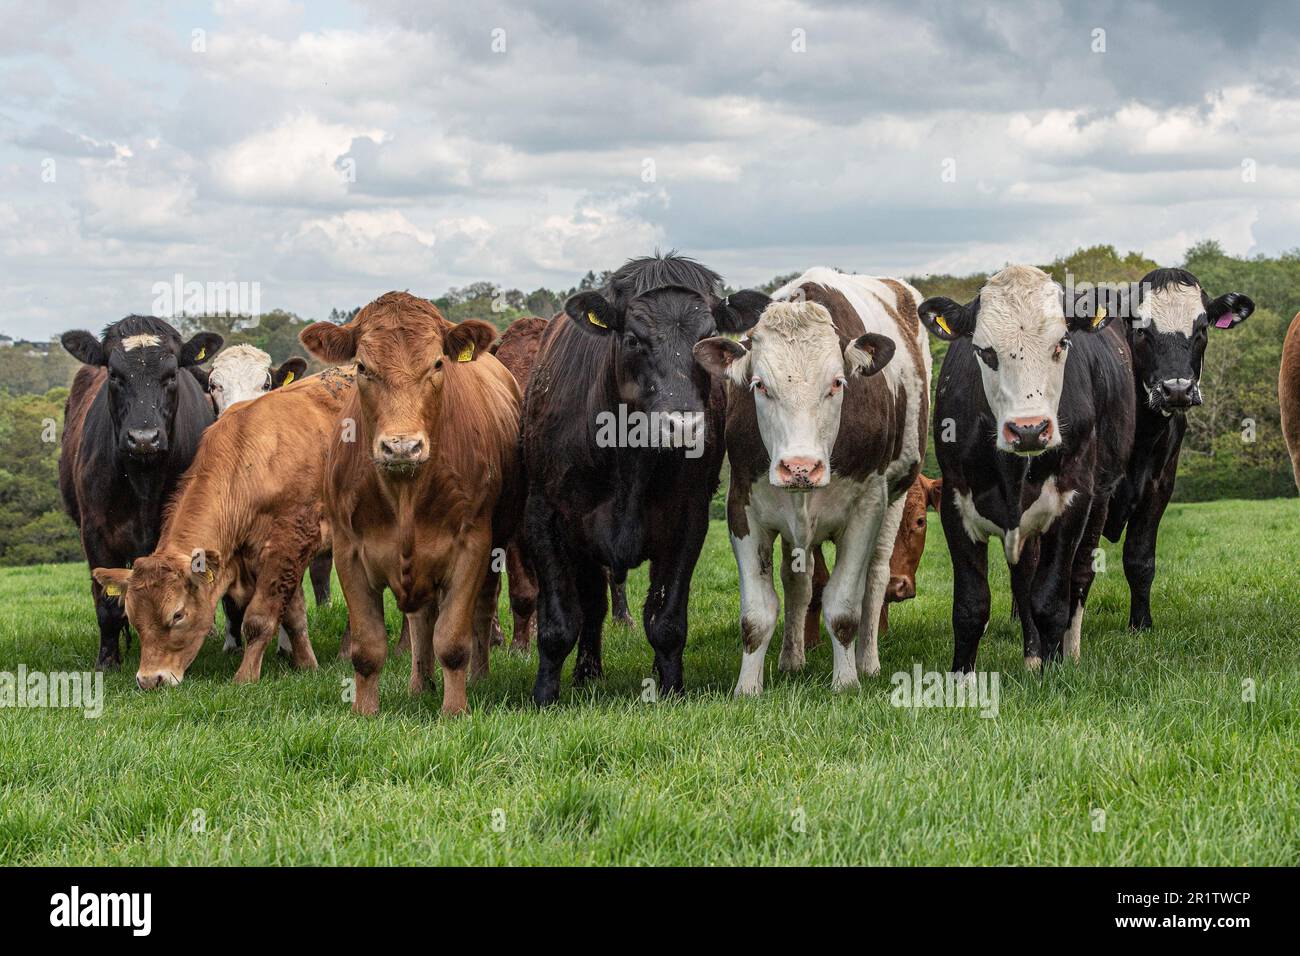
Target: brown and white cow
{"type": "Point", "coordinates": [429, 485]}
{"type": "Point", "coordinates": [245, 523]}
{"type": "Point", "coordinates": [826, 430]}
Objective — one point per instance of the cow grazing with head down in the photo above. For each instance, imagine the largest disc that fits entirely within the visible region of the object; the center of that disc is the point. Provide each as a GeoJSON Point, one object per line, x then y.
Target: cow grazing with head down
{"type": "Point", "coordinates": [242, 527]}
{"type": "Point", "coordinates": [1168, 327]}
{"type": "Point", "coordinates": [428, 487]}
{"type": "Point", "coordinates": [826, 431]}
{"type": "Point", "coordinates": [1034, 425]}
{"type": "Point", "coordinates": [131, 426]}
{"type": "Point", "coordinates": [623, 445]}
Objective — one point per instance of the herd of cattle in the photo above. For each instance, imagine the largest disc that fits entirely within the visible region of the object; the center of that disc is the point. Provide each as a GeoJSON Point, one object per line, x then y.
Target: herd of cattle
{"type": "Point", "coordinates": [429, 455]}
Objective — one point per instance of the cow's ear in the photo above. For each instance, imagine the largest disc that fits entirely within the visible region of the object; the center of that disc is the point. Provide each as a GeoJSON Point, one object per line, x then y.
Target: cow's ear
{"type": "Point", "coordinates": [593, 313]}
{"type": "Point", "coordinates": [333, 344]}
{"type": "Point", "coordinates": [724, 358]}
{"type": "Point", "coordinates": [946, 319]}
{"type": "Point", "coordinates": [290, 370]}
{"type": "Point", "coordinates": [202, 347]}
{"type": "Point", "coordinates": [84, 347]}
{"type": "Point", "coordinates": [112, 580]}
{"type": "Point", "coordinates": [1095, 308]}
{"type": "Point", "coordinates": [1229, 310]}
{"type": "Point", "coordinates": [204, 566]}
{"type": "Point", "coordinates": [933, 491]}
{"type": "Point", "coordinates": [468, 340]}
{"type": "Point", "coordinates": [740, 311]}
{"type": "Point", "coordinates": [868, 354]}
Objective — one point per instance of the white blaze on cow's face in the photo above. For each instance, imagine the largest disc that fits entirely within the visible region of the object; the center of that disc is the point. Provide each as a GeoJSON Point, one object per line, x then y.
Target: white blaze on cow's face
{"type": "Point", "coordinates": [239, 373]}
{"type": "Point", "coordinates": [1021, 345]}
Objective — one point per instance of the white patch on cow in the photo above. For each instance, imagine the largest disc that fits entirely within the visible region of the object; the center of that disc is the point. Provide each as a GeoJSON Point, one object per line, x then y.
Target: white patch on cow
{"type": "Point", "coordinates": [1074, 633]}
{"type": "Point", "coordinates": [140, 341]}
{"type": "Point", "coordinates": [1175, 308]}
{"type": "Point", "coordinates": [1021, 320]}
{"type": "Point", "coordinates": [239, 373]}
{"type": "Point", "coordinates": [1050, 504]}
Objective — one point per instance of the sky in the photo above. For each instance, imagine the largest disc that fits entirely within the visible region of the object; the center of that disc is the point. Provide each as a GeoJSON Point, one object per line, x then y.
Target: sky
{"type": "Point", "coordinates": [323, 153]}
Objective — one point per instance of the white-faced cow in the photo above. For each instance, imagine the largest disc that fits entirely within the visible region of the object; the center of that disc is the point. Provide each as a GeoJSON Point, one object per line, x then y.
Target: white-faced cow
{"type": "Point", "coordinates": [1168, 327]}
{"type": "Point", "coordinates": [601, 494]}
{"type": "Point", "coordinates": [131, 427]}
{"type": "Point", "coordinates": [1033, 424]}
{"type": "Point", "coordinates": [241, 373]}
{"type": "Point", "coordinates": [826, 431]}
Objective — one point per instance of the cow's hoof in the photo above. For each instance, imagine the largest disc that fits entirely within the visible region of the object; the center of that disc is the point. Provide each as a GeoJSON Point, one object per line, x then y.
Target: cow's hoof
{"type": "Point", "coordinates": [520, 649]}
{"type": "Point", "coordinates": [1033, 664]}
{"type": "Point", "coordinates": [791, 663]}
{"type": "Point", "coordinates": [869, 670]}
{"type": "Point", "coordinates": [747, 690]}
{"type": "Point", "coordinates": [626, 619]}
{"type": "Point", "coordinates": [108, 665]}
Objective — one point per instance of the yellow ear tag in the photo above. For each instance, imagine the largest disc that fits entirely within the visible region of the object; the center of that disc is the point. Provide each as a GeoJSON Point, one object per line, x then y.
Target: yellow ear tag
{"type": "Point", "coordinates": [940, 321]}
{"type": "Point", "coordinates": [288, 377]}
{"type": "Point", "coordinates": [113, 590]}
{"type": "Point", "coordinates": [207, 573]}
{"type": "Point", "coordinates": [591, 317]}
{"type": "Point", "coordinates": [1101, 314]}
{"type": "Point", "coordinates": [199, 357]}
{"type": "Point", "coordinates": [466, 354]}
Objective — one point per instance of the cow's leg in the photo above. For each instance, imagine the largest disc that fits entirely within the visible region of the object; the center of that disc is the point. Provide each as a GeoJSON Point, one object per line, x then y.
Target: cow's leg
{"type": "Point", "coordinates": [453, 632]}
{"type": "Point", "coordinates": [591, 596]}
{"type": "Point", "coordinates": [758, 603]}
{"type": "Point", "coordinates": [319, 571]}
{"type": "Point", "coordinates": [498, 635]}
{"type": "Point", "coordinates": [295, 622]}
{"type": "Point", "coordinates": [970, 585]}
{"type": "Point", "coordinates": [234, 624]}
{"type": "Point", "coordinates": [558, 613]}
{"type": "Point", "coordinates": [284, 644]}
{"type": "Point", "coordinates": [369, 638]}
{"type": "Point", "coordinates": [422, 657]}
{"type": "Point", "coordinates": [665, 619]}
{"type": "Point", "coordinates": [796, 586]}
{"type": "Point", "coordinates": [1022, 590]}
{"type": "Point", "coordinates": [842, 599]}
{"type": "Point", "coordinates": [1140, 551]}
{"type": "Point", "coordinates": [1081, 576]}
{"type": "Point", "coordinates": [812, 618]}
{"type": "Point", "coordinates": [1051, 589]}
{"type": "Point", "coordinates": [111, 614]}
{"type": "Point", "coordinates": [523, 598]}
{"type": "Point", "coordinates": [873, 597]}
{"type": "Point", "coordinates": [484, 616]}
{"type": "Point", "coordinates": [618, 601]}
{"type": "Point", "coordinates": [404, 638]}
{"type": "Point", "coordinates": [261, 623]}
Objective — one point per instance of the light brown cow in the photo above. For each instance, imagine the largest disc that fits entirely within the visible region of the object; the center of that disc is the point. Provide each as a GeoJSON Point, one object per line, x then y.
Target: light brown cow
{"type": "Point", "coordinates": [430, 484]}
{"type": "Point", "coordinates": [245, 521]}
{"type": "Point", "coordinates": [1288, 394]}
{"type": "Point", "coordinates": [909, 545]}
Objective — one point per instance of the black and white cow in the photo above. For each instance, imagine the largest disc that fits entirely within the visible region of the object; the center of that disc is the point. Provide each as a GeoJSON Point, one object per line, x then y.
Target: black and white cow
{"type": "Point", "coordinates": [1168, 327]}
{"type": "Point", "coordinates": [1033, 424]}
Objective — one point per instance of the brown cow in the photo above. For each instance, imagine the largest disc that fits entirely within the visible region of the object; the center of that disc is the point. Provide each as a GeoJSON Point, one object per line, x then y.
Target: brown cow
{"type": "Point", "coordinates": [517, 350]}
{"type": "Point", "coordinates": [1288, 394]}
{"type": "Point", "coordinates": [418, 500]}
{"type": "Point", "coordinates": [246, 522]}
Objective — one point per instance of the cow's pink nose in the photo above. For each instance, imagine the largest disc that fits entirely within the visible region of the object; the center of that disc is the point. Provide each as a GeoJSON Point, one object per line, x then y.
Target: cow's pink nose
{"type": "Point", "coordinates": [800, 472]}
{"type": "Point", "coordinates": [1028, 434]}
{"type": "Point", "coordinates": [901, 589]}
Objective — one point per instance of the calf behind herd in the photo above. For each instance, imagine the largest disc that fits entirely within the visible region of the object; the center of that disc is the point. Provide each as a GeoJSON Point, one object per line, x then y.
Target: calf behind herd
{"type": "Point", "coordinates": [430, 456]}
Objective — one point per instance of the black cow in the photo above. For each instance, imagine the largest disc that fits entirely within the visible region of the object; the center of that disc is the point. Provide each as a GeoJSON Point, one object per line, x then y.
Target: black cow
{"type": "Point", "coordinates": [1168, 326]}
{"type": "Point", "coordinates": [132, 424]}
{"type": "Point", "coordinates": [1033, 423]}
{"type": "Point", "coordinates": [613, 357]}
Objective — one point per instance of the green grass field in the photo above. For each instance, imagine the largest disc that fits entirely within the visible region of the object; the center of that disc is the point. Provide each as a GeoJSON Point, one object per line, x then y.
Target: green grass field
{"type": "Point", "coordinates": [1150, 731]}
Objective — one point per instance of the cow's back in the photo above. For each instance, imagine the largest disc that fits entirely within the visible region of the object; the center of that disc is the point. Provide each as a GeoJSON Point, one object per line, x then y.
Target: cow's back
{"type": "Point", "coordinates": [517, 349]}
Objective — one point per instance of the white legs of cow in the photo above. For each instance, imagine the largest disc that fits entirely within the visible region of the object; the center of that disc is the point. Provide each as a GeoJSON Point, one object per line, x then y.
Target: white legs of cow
{"type": "Point", "coordinates": [758, 605]}
{"type": "Point", "coordinates": [868, 646]}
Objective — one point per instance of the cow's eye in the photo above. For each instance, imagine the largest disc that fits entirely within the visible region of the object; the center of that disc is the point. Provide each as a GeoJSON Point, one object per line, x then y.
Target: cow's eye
{"type": "Point", "coordinates": [988, 356]}
{"type": "Point", "coordinates": [437, 366]}
{"type": "Point", "coordinates": [839, 383]}
{"type": "Point", "coordinates": [178, 617]}
{"type": "Point", "coordinates": [1062, 347]}
{"type": "Point", "coordinates": [756, 385]}
{"type": "Point", "coordinates": [631, 342]}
